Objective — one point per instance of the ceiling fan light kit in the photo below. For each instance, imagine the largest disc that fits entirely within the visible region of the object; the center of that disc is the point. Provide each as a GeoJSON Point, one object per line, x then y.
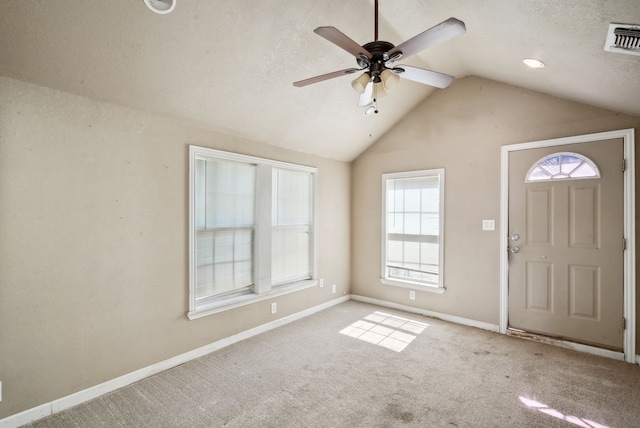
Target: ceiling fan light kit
{"type": "Point", "coordinates": [377, 59]}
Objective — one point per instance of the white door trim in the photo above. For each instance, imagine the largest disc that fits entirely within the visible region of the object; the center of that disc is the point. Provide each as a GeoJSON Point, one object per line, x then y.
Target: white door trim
{"type": "Point", "coordinates": [629, 339]}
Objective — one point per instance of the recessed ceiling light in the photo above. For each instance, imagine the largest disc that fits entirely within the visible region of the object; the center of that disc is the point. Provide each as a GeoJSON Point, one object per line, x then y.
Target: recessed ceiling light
{"type": "Point", "coordinates": [533, 63]}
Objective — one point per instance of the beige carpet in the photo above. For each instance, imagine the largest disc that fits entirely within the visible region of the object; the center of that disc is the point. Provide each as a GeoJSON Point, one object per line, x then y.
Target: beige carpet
{"type": "Point", "coordinates": [359, 365]}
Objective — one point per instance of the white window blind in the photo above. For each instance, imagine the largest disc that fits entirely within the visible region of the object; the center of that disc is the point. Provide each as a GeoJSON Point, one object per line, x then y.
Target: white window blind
{"type": "Point", "coordinates": [291, 226]}
{"type": "Point", "coordinates": [413, 227]}
{"type": "Point", "coordinates": [225, 226]}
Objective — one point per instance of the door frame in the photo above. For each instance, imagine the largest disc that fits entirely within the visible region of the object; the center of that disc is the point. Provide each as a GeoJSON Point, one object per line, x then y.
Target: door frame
{"type": "Point", "coordinates": [629, 308]}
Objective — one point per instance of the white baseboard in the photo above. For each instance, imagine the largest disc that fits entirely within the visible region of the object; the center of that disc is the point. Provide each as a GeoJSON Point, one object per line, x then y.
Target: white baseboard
{"type": "Point", "coordinates": [27, 416]}
{"type": "Point", "coordinates": [425, 312]}
{"type": "Point", "coordinates": [79, 397]}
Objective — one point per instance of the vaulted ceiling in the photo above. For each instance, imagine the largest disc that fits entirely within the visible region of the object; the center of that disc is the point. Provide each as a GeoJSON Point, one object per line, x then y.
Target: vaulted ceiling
{"type": "Point", "coordinates": [229, 65]}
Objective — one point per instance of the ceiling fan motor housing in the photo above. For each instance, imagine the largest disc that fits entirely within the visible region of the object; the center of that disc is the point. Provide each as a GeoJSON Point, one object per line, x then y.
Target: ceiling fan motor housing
{"type": "Point", "coordinates": [379, 56]}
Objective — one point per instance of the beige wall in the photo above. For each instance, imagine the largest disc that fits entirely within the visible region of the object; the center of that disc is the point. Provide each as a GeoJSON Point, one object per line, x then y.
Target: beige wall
{"type": "Point", "coordinates": [93, 242]}
{"type": "Point", "coordinates": [460, 129]}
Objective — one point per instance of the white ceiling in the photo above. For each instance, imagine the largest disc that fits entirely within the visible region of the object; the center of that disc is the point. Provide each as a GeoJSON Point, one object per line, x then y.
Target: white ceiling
{"type": "Point", "coordinates": [229, 65]}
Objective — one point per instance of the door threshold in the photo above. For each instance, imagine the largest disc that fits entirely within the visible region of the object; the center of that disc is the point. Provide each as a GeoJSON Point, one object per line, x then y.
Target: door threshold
{"type": "Point", "coordinates": [607, 353]}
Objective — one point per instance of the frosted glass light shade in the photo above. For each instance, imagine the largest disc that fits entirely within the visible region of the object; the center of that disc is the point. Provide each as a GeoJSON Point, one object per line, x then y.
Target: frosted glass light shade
{"type": "Point", "coordinates": [389, 79]}
{"type": "Point", "coordinates": [360, 83]}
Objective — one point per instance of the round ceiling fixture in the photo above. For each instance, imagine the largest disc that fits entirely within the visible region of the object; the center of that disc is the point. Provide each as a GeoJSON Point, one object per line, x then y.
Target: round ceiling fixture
{"type": "Point", "coordinates": [533, 63]}
{"type": "Point", "coordinates": [371, 110]}
{"type": "Point", "coordinates": [161, 6]}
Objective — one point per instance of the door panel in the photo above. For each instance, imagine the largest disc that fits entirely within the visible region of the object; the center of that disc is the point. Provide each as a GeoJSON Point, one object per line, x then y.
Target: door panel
{"type": "Point", "coordinates": [584, 292]}
{"type": "Point", "coordinates": [539, 286]}
{"type": "Point", "coordinates": [539, 216]}
{"type": "Point", "coordinates": [566, 281]}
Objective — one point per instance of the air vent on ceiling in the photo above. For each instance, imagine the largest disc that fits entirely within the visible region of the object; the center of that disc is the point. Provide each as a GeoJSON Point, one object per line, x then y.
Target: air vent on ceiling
{"type": "Point", "coordinates": [623, 38]}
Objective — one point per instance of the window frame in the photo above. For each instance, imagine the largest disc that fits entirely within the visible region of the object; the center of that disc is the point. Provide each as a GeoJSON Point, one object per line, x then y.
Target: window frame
{"type": "Point", "coordinates": [416, 285]}
{"type": "Point", "coordinates": [262, 288]}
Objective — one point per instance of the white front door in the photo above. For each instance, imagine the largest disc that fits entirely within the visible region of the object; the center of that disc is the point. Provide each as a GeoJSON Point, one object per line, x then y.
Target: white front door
{"type": "Point", "coordinates": [566, 266]}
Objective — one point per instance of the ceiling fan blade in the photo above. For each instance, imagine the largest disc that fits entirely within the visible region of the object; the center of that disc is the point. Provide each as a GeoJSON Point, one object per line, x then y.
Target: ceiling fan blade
{"type": "Point", "coordinates": [428, 77]}
{"type": "Point", "coordinates": [341, 40]}
{"type": "Point", "coordinates": [305, 82]}
{"type": "Point", "coordinates": [437, 34]}
{"type": "Point", "coordinates": [367, 96]}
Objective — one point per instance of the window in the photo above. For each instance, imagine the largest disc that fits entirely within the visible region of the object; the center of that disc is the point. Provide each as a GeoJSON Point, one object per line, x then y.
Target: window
{"type": "Point", "coordinates": [413, 229]}
{"type": "Point", "coordinates": [291, 225]}
{"type": "Point", "coordinates": [562, 166]}
{"type": "Point", "coordinates": [251, 229]}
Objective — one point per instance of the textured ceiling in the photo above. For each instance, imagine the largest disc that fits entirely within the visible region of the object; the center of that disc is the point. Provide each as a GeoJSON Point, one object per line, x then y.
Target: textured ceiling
{"type": "Point", "coordinates": [229, 65]}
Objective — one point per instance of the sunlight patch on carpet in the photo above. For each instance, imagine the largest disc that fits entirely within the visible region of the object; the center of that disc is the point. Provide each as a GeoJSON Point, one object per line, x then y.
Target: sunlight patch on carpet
{"type": "Point", "coordinates": [386, 330]}
{"type": "Point", "coordinates": [543, 408]}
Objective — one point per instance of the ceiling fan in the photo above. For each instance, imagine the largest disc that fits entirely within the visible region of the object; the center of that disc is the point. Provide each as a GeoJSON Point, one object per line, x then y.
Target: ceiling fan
{"type": "Point", "coordinates": [378, 57]}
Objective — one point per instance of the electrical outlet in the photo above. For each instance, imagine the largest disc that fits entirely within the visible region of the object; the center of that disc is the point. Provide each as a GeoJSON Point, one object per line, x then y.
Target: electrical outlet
{"type": "Point", "coordinates": [488, 225]}
{"type": "Point", "coordinates": [412, 295]}
{"type": "Point", "coordinates": [321, 282]}
{"type": "Point", "coordinates": [333, 288]}
{"type": "Point", "coordinates": [274, 308]}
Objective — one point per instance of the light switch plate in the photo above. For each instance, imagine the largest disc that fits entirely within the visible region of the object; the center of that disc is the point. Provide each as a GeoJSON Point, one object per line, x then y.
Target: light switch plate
{"type": "Point", "coordinates": [488, 225]}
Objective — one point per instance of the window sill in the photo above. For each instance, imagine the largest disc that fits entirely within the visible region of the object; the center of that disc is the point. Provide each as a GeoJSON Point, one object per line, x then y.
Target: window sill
{"type": "Point", "coordinates": [248, 299]}
{"type": "Point", "coordinates": [413, 285]}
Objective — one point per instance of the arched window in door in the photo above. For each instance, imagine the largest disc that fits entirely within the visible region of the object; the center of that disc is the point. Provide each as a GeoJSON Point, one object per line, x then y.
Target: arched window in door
{"type": "Point", "coordinates": [562, 166]}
